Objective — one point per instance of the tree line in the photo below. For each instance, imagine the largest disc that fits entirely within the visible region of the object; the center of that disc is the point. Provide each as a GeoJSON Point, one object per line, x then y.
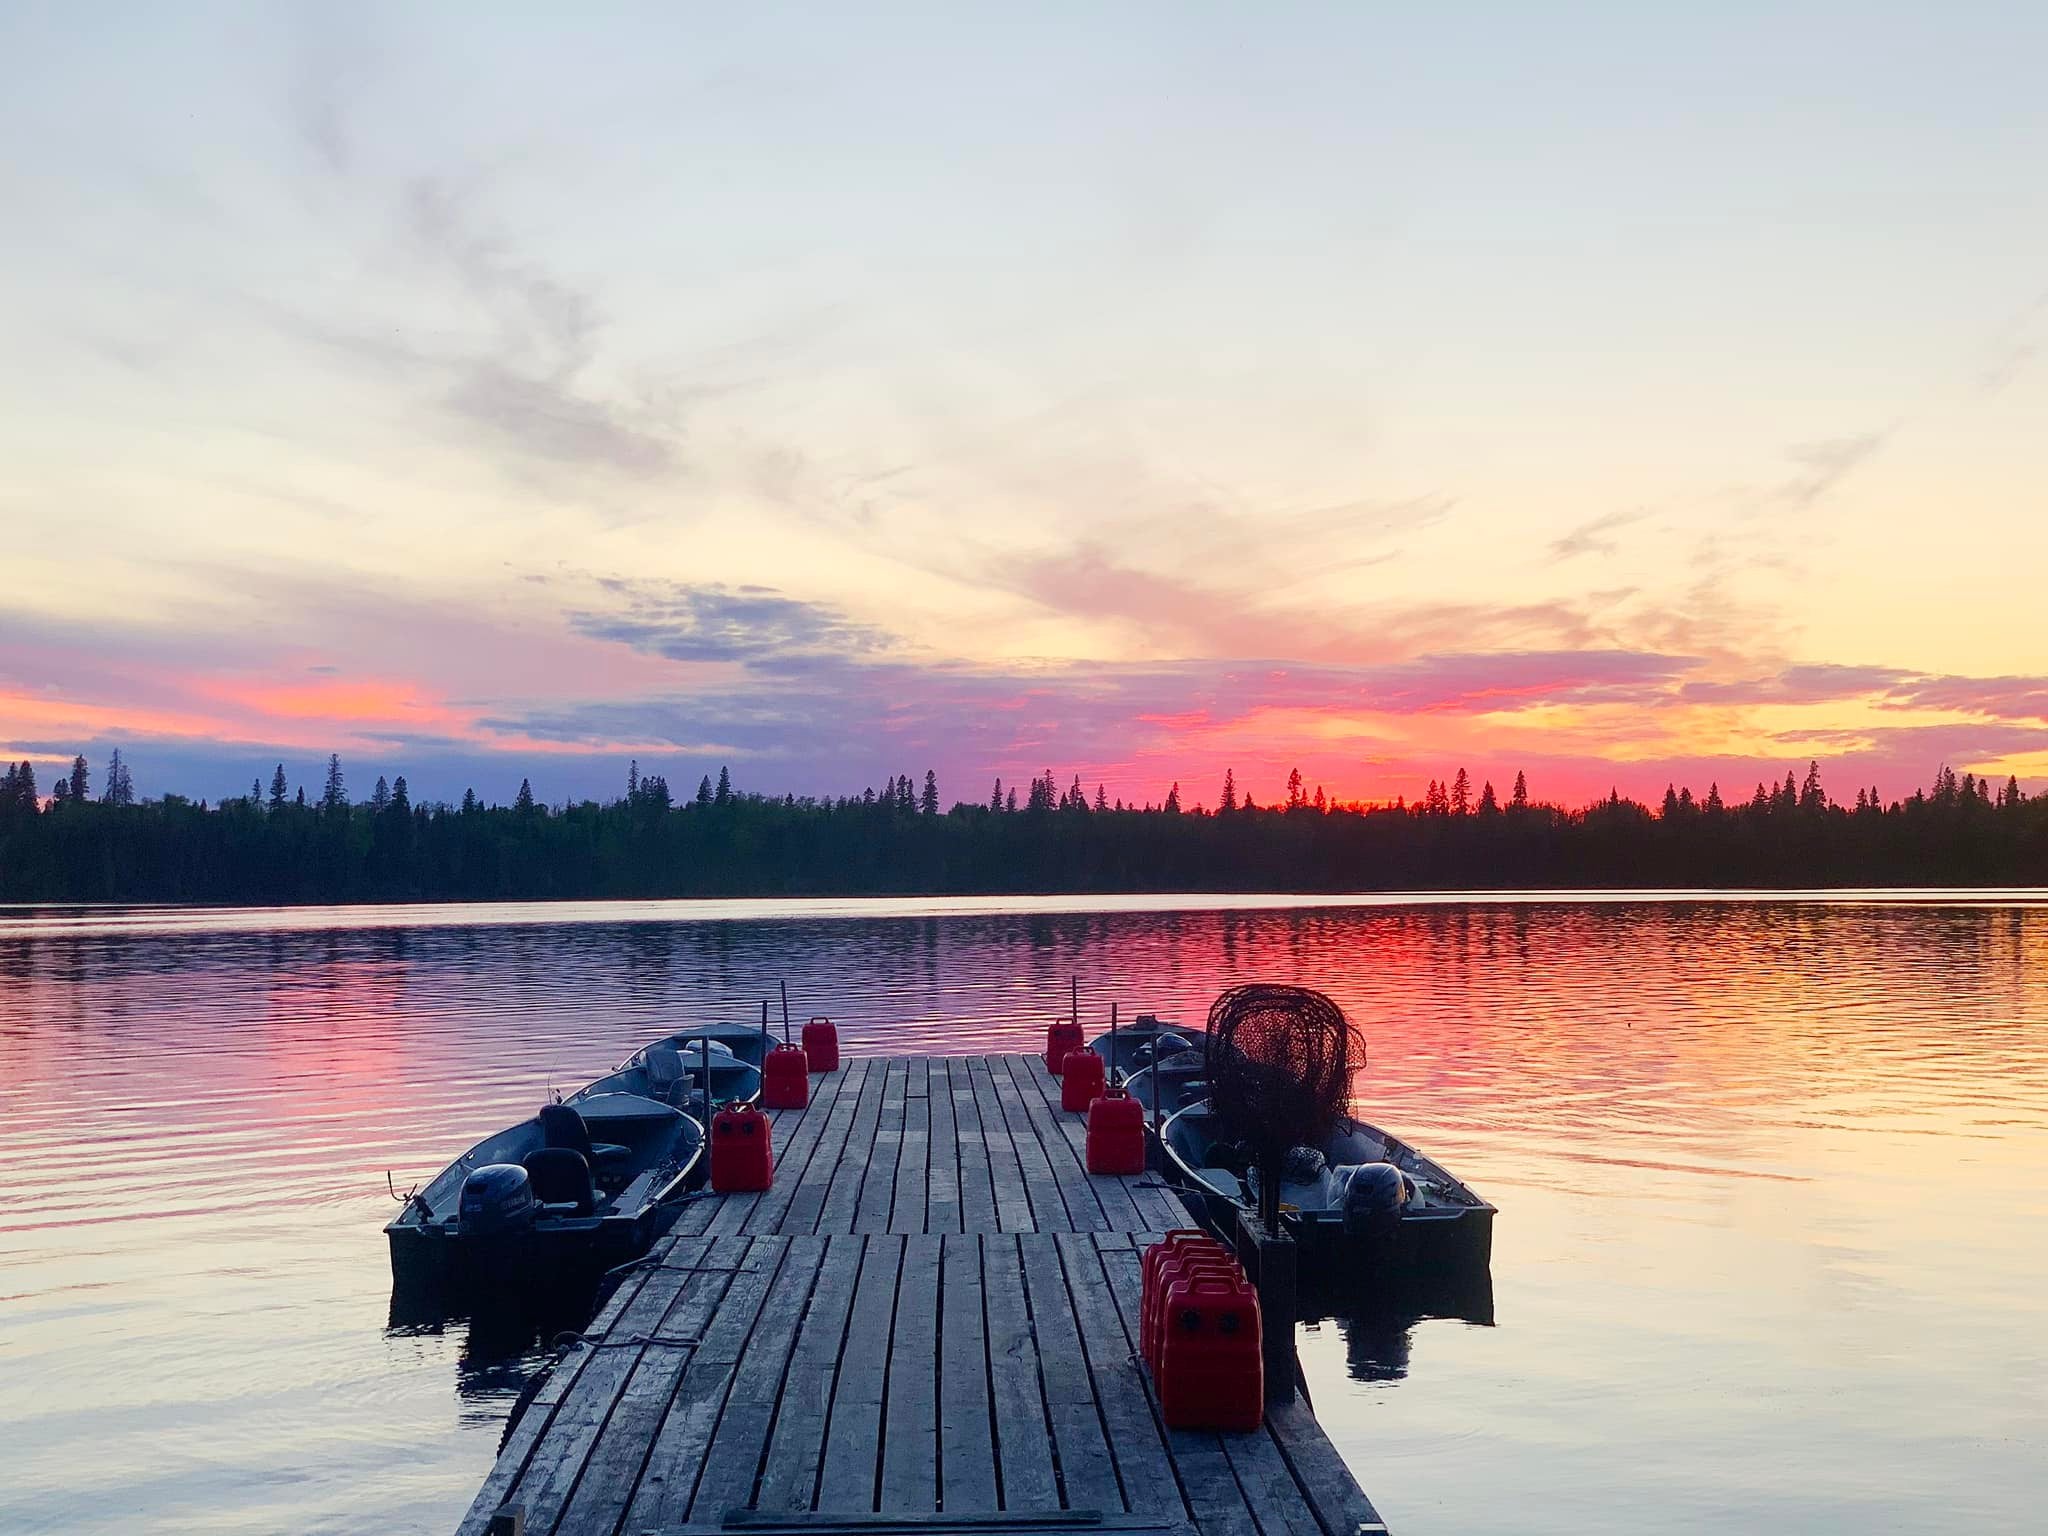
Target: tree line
{"type": "Point", "coordinates": [278, 845]}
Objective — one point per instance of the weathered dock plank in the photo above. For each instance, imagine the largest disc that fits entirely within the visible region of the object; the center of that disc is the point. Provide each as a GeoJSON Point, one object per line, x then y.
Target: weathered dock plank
{"type": "Point", "coordinates": [930, 1313]}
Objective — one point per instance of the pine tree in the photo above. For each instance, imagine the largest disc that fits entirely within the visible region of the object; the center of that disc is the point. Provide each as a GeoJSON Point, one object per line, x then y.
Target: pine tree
{"type": "Point", "coordinates": [300, 802]}
{"type": "Point", "coordinates": [1010, 802]}
{"type": "Point", "coordinates": [280, 792]}
{"type": "Point", "coordinates": [1295, 799]}
{"type": "Point", "coordinates": [335, 796]}
{"type": "Point", "coordinates": [633, 779]}
{"type": "Point", "coordinates": [1670, 809]}
{"type": "Point", "coordinates": [469, 805]}
{"type": "Point", "coordinates": [1173, 800]}
{"type": "Point", "coordinates": [380, 795]}
{"type": "Point", "coordinates": [81, 781]}
{"type": "Point", "coordinates": [524, 803]}
{"type": "Point", "coordinates": [60, 792]}
{"type": "Point", "coordinates": [704, 791]}
{"type": "Point", "coordinates": [1811, 797]}
{"type": "Point", "coordinates": [1228, 803]}
{"type": "Point", "coordinates": [723, 794]}
{"type": "Point", "coordinates": [928, 803]}
{"type": "Point", "coordinates": [1461, 794]}
{"type": "Point", "coordinates": [1488, 806]}
{"type": "Point", "coordinates": [1101, 798]}
{"type": "Point", "coordinates": [1322, 806]}
{"type": "Point", "coordinates": [1077, 797]}
{"type": "Point", "coordinates": [26, 787]}
{"type": "Point", "coordinates": [995, 798]}
{"type": "Point", "coordinates": [1714, 806]}
{"type": "Point", "coordinates": [2012, 796]}
{"type": "Point", "coordinates": [401, 798]}
{"type": "Point", "coordinates": [119, 788]}
{"type": "Point", "coordinates": [256, 794]}
{"type": "Point", "coordinates": [1518, 797]}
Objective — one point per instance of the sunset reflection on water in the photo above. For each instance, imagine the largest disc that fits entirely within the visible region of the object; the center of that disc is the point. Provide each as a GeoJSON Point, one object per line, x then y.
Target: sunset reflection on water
{"type": "Point", "coordinates": [1771, 1178]}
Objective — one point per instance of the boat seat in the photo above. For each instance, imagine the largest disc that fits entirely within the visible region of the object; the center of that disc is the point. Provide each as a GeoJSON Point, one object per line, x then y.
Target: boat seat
{"type": "Point", "coordinates": [561, 1181]}
{"type": "Point", "coordinates": [665, 1075]}
{"type": "Point", "coordinates": [561, 1126]}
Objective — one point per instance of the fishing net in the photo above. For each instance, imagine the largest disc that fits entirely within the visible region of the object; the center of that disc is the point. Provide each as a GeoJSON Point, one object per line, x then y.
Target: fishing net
{"type": "Point", "coordinates": [1280, 1062]}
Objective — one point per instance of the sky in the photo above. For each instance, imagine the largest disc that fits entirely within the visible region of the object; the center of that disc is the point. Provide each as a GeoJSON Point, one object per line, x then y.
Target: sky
{"type": "Point", "coordinates": [1622, 394]}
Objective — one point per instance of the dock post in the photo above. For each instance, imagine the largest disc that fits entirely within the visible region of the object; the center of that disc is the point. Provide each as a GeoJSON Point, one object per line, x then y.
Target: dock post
{"type": "Point", "coordinates": [1268, 1256]}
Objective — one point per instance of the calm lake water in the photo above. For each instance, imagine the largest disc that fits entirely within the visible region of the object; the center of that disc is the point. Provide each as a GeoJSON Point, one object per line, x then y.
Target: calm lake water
{"type": "Point", "coordinates": [1773, 1179]}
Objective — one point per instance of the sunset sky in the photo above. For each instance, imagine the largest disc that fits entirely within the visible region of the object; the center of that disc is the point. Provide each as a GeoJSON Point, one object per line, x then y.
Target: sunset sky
{"type": "Point", "coordinates": [1621, 393]}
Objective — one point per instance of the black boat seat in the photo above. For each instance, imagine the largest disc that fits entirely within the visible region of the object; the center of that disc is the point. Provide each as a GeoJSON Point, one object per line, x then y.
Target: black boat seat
{"type": "Point", "coordinates": [561, 1181]}
{"type": "Point", "coordinates": [561, 1126]}
{"type": "Point", "coordinates": [665, 1076]}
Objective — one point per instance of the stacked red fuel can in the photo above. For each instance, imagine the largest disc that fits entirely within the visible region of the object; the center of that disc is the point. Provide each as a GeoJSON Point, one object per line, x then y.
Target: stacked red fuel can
{"type": "Point", "coordinates": [1082, 1078]}
{"type": "Point", "coordinates": [741, 1157]}
{"type": "Point", "coordinates": [1198, 1322]}
{"type": "Point", "coordinates": [1116, 1133]}
{"type": "Point", "coordinates": [1062, 1036]}
{"type": "Point", "coordinates": [786, 1078]}
{"type": "Point", "coordinates": [821, 1045]}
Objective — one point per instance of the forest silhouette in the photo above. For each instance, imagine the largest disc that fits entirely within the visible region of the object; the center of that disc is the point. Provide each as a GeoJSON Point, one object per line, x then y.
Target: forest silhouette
{"type": "Point", "coordinates": [277, 845]}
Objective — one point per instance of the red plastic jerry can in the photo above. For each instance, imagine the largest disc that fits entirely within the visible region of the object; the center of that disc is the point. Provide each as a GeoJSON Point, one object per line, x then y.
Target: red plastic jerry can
{"type": "Point", "coordinates": [1081, 1080]}
{"type": "Point", "coordinates": [741, 1157]}
{"type": "Point", "coordinates": [1212, 1374]}
{"type": "Point", "coordinates": [786, 1078]}
{"type": "Point", "coordinates": [1060, 1038]}
{"type": "Point", "coordinates": [1181, 1242]}
{"type": "Point", "coordinates": [1116, 1134]}
{"type": "Point", "coordinates": [1191, 1265]}
{"type": "Point", "coordinates": [821, 1045]}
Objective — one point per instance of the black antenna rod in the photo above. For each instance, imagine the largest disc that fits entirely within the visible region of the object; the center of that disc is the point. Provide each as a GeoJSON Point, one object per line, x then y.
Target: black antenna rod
{"type": "Point", "coordinates": [1112, 1045]}
{"type": "Point", "coordinates": [1077, 1000]}
{"type": "Point", "coordinates": [785, 1011]}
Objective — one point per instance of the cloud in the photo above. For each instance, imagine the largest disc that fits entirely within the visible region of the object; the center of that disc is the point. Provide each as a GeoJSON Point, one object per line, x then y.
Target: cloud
{"type": "Point", "coordinates": [1592, 538]}
{"type": "Point", "coordinates": [686, 622]}
{"type": "Point", "coordinates": [1821, 466]}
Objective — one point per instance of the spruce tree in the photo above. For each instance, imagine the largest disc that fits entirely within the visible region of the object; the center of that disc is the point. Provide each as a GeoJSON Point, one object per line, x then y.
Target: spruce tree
{"type": "Point", "coordinates": [524, 803]}
{"type": "Point", "coordinates": [280, 791]}
{"type": "Point", "coordinates": [334, 798]}
{"type": "Point", "coordinates": [81, 781]}
{"type": "Point", "coordinates": [928, 802]}
{"type": "Point", "coordinates": [995, 799]}
{"type": "Point", "coordinates": [1518, 798]}
{"type": "Point", "coordinates": [1173, 800]}
{"type": "Point", "coordinates": [704, 790]}
{"type": "Point", "coordinates": [723, 793]}
{"type": "Point", "coordinates": [1228, 802]}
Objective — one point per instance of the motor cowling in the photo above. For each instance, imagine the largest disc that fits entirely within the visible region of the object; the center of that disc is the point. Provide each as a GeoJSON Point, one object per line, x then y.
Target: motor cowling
{"type": "Point", "coordinates": [1373, 1197]}
{"type": "Point", "coordinates": [497, 1197]}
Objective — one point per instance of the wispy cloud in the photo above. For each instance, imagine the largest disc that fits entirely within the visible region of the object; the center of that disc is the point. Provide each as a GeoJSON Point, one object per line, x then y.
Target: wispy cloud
{"type": "Point", "coordinates": [685, 622]}
{"type": "Point", "coordinates": [1595, 537]}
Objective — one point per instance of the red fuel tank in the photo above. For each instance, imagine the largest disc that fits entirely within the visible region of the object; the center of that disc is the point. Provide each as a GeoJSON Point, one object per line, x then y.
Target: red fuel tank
{"type": "Point", "coordinates": [821, 1045]}
{"type": "Point", "coordinates": [786, 1078]}
{"type": "Point", "coordinates": [1116, 1134]}
{"type": "Point", "coordinates": [1188, 1241]}
{"type": "Point", "coordinates": [1060, 1038]}
{"type": "Point", "coordinates": [1081, 1080]}
{"type": "Point", "coordinates": [1211, 1371]}
{"type": "Point", "coordinates": [741, 1157]}
{"type": "Point", "coordinates": [1189, 1264]}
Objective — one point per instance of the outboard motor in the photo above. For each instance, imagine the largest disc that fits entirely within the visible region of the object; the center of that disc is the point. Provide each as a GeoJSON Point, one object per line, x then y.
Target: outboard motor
{"type": "Point", "coordinates": [497, 1197]}
{"type": "Point", "coordinates": [1372, 1200]}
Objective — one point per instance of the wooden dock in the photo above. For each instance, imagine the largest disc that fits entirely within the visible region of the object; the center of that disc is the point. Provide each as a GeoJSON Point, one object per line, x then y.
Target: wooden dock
{"type": "Point", "coordinates": [928, 1324]}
